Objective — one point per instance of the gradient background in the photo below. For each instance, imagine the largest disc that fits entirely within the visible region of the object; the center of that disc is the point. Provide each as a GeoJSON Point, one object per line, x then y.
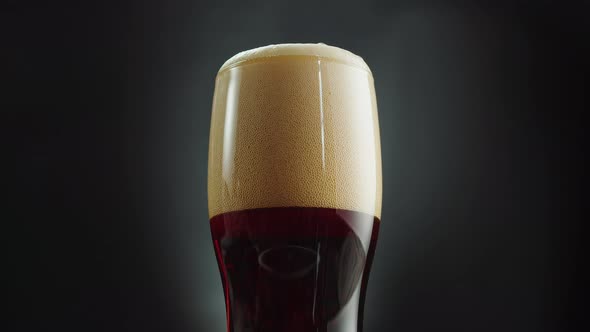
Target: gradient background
{"type": "Point", "coordinates": [109, 107]}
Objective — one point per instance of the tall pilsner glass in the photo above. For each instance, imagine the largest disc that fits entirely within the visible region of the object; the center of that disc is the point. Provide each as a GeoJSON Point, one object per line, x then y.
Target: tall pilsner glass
{"type": "Point", "coordinates": [294, 187]}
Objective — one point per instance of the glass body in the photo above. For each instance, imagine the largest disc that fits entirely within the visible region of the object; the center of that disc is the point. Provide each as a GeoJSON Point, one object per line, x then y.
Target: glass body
{"type": "Point", "coordinates": [294, 190]}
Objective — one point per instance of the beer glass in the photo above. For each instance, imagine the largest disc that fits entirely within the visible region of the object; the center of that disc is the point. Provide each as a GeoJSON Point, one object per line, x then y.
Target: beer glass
{"type": "Point", "coordinates": [294, 187]}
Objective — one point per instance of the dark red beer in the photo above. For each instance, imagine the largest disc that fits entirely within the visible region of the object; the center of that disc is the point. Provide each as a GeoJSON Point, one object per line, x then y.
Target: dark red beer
{"type": "Point", "coordinates": [294, 269]}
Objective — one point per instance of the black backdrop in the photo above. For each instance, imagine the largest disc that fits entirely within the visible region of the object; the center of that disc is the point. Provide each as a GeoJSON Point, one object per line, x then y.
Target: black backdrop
{"type": "Point", "coordinates": [108, 106]}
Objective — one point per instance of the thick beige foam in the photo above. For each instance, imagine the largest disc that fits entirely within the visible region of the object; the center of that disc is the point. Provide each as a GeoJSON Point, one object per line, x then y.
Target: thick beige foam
{"type": "Point", "coordinates": [294, 125]}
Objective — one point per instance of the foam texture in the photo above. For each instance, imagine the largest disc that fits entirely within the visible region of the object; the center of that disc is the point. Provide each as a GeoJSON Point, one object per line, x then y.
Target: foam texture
{"type": "Point", "coordinates": [294, 129]}
{"type": "Point", "coordinates": [318, 50]}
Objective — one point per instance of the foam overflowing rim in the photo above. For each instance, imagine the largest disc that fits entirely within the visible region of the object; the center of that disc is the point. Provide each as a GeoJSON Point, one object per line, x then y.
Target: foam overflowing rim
{"type": "Point", "coordinates": [319, 50]}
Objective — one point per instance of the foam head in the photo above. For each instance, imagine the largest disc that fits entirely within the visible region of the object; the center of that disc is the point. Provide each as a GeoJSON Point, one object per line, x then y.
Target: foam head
{"type": "Point", "coordinates": [294, 125]}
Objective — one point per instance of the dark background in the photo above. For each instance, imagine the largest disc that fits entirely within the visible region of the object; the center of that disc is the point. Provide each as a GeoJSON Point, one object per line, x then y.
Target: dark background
{"type": "Point", "coordinates": [108, 107]}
